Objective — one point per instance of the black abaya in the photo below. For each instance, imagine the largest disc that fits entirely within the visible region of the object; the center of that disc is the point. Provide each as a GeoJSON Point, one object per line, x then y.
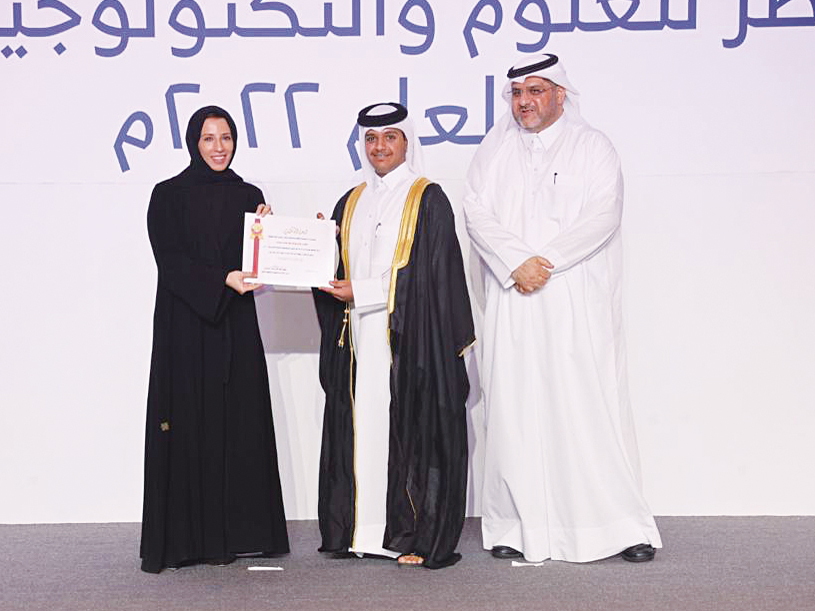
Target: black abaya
{"type": "Point", "coordinates": [212, 488]}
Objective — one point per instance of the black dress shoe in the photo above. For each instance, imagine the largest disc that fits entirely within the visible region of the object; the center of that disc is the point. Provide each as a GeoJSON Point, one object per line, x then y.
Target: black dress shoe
{"type": "Point", "coordinates": [642, 552]}
{"type": "Point", "coordinates": [504, 552]}
{"type": "Point", "coordinates": [226, 560]}
{"type": "Point", "coordinates": [346, 555]}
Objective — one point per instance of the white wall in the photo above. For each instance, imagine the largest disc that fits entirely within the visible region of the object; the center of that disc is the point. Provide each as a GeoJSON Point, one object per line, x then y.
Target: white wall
{"type": "Point", "coordinates": [718, 146]}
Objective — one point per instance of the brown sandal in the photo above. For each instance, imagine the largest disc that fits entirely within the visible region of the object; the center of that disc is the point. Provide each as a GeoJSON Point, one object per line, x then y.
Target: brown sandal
{"type": "Point", "coordinates": [410, 560]}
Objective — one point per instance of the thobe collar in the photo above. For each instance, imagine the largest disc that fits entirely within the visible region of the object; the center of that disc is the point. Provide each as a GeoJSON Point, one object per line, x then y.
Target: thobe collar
{"type": "Point", "coordinates": [543, 140]}
{"type": "Point", "coordinates": [391, 179]}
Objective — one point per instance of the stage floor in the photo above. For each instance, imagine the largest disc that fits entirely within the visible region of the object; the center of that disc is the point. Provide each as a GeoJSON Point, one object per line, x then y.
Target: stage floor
{"type": "Point", "coordinates": [708, 563]}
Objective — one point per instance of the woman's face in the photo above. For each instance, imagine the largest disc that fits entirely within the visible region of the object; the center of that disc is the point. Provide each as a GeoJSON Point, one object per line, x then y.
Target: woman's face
{"type": "Point", "coordinates": [215, 143]}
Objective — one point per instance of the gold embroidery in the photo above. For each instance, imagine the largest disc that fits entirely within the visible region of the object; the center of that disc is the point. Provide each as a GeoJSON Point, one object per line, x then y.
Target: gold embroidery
{"type": "Point", "coordinates": [412, 506]}
{"type": "Point", "coordinates": [354, 449]}
{"type": "Point", "coordinates": [466, 348]}
{"type": "Point", "coordinates": [401, 257]}
{"type": "Point", "coordinates": [345, 233]}
{"type": "Point", "coordinates": [345, 318]}
{"type": "Point", "coordinates": [404, 243]}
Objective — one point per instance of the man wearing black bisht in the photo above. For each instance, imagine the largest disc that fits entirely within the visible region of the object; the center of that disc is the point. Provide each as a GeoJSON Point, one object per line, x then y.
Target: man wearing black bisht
{"type": "Point", "coordinates": [395, 325]}
{"type": "Point", "coordinates": [211, 483]}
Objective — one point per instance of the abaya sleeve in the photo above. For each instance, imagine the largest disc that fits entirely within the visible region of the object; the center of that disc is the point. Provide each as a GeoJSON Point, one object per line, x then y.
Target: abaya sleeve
{"type": "Point", "coordinates": [201, 285]}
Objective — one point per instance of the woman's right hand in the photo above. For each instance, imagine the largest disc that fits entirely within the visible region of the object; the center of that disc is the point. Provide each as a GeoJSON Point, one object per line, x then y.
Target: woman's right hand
{"type": "Point", "coordinates": [322, 218]}
{"type": "Point", "coordinates": [237, 281]}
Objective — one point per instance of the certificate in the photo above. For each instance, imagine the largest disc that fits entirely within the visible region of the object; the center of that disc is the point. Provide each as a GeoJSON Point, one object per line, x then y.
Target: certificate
{"type": "Point", "coordinates": [289, 251]}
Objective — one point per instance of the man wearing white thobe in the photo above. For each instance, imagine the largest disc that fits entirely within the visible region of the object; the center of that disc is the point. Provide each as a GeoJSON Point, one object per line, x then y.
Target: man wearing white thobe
{"type": "Point", "coordinates": [543, 204]}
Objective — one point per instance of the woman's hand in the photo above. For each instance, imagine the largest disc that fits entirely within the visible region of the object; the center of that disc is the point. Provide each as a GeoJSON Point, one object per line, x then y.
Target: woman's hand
{"type": "Point", "coordinates": [322, 218]}
{"type": "Point", "coordinates": [237, 281]}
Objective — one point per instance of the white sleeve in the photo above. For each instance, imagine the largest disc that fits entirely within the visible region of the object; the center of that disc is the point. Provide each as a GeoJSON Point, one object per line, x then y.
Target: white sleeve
{"type": "Point", "coordinates": [371, 293]}
{"type": "Point", "coordinates": [502, 250]}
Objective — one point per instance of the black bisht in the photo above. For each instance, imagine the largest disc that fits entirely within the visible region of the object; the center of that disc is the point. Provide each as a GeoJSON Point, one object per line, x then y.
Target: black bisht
{"type": "Point", "coordinates": [430, 326]}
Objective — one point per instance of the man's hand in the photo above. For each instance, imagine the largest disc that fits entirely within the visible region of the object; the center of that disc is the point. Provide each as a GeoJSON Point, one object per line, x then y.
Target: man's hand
{"type": "Point", "coordinates": [236, 281]}
{"type": "Point", "coordinates": [532, 274]}
{"type": "Point", "coordinates": [340, 289]}
{"type": "Point", "coordinates": [263, 210]}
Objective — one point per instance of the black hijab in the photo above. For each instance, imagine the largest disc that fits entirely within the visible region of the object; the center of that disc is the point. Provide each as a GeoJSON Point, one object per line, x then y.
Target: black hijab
{"type": "Point", "coordinates": [198, 171]}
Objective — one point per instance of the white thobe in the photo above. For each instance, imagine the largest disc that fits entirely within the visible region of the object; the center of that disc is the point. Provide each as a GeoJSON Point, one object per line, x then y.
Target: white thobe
{"type": "Point", "coordinates": [561, 475]}
{"type": "Point", "coordinates": [371, 246]}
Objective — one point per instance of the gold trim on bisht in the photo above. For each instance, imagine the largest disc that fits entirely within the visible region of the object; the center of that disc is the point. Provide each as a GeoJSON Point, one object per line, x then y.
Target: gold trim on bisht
{"type": "Point", "coordinates": [407, 231]}
{"type": "Point", "coordinates": [466, 348]}
{"type": "Point", "coordinates": [401, 257]}
{"type": "Point", "coordinates": [345, 233]}
{"type": "Point", "coordinates": [404, 242]}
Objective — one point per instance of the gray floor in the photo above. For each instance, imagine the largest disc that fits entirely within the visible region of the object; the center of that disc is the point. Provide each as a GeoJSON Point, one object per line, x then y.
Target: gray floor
{"type": "Point", "coordinates": [718, 563]}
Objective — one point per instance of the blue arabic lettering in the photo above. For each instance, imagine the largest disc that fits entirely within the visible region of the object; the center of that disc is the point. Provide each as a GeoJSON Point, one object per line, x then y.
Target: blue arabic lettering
{"type": "Point", "coordinates": [688, 23]}
{"type": "Point", "coordinates": [451, 135]}
{"type": "Point", "coordinates": [124, 137]}
{"type": "Point", "coordinates": [545, 26]}
{"type": "Point", "coordinates": [291, 114]}
{"type": "Point", "coordinates": [624, 21]}
{"type": "Point", "coordinates": [614, 20]}
{"type": "Point", "coordinates": [248, 115]}
{"type": "Point", "coordinates": [172, 113]}
{"type": "Point", "coordinates": [771, 21]}
{"type": "Point", "coordinates": [123, 31]}
{"type": "Point", "coordinates": [442, 134]}
{"type": "Point", "coordinates": [380, 17]}
{"type": "Point", "coordinates": [474, 24]}
{"type": "Point", "coordinates": [282, 7]}
{"type": "Point", "coordinates": [200, 32]}
{"type": "Point", "coordinates": [72, 20]}
{"type": "Point", "coordinates": [427, 30]}
{"type": "Point", "coordinates": [296, 28]}
{"type": "Point", "coordinates": [328, 21]}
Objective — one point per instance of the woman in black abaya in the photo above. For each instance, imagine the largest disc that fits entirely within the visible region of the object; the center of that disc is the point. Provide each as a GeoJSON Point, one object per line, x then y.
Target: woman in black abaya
{"type": "Point", "coordinates": [211, 483]}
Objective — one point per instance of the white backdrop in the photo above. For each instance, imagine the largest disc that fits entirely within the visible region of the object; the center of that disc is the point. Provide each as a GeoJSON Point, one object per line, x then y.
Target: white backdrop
{"type": "Point", "coordinates": [709, 103]}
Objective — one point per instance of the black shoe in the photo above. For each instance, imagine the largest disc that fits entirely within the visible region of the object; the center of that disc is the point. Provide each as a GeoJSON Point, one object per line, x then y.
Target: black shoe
{"type": "Point", "coordinates": [505, 552]}
{"type": "Point", "coordinates": [642, 552]}
{"type": "Point", "coordinates": [221, 561]}
{"type": "Point", "coordinates": [341, 555]}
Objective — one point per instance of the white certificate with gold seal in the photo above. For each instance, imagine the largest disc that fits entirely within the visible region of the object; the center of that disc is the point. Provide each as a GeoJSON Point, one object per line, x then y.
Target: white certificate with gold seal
{"type": "Point", "coordinates": [288, 250]}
